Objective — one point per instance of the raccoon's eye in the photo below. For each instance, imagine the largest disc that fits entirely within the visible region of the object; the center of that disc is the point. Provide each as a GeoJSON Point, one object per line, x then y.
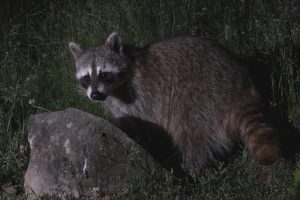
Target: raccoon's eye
{"type": "Point", "coordinates": [106, 76]}
{"type": "Point", "coordinates": [86, 78]}
{"type": "Point", "coordinates": [85, 81]}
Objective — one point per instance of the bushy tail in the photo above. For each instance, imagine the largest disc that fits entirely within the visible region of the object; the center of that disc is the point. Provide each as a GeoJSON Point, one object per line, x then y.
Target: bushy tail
{"type": "Point", "coordinates": [259, 136]}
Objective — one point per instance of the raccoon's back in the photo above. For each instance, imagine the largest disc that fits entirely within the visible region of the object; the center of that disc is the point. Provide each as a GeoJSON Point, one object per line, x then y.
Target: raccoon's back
{"type": "Point", "coordinates": [194, 72]}
{"type": "Point", "coordinates": [188, 60]}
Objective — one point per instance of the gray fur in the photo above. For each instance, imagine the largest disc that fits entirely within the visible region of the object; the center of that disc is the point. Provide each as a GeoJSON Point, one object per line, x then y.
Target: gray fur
{"type": "Point", "coordinates": [188, 86]}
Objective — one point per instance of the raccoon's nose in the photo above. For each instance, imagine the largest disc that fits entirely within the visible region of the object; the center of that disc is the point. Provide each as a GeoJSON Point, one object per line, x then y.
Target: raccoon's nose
{"type": "Point", "coordinates": [95, 95]}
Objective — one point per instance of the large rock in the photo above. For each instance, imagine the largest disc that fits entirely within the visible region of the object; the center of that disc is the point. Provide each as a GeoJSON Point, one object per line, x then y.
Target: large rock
{"type": "Point", "coordinates": [74, 153]}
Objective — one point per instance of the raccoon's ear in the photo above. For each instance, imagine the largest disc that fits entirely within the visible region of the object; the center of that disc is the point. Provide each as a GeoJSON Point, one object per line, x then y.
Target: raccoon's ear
{"type": "Point", "coordinates": [114, 42]}
{"type": "Point", "coordinates": [75, 50]}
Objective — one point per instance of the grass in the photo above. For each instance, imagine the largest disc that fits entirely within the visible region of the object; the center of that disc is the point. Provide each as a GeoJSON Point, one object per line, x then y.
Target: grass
{"type": "Point", "coordinates": [241, 179]}
{"type": "Point", "coordinates": [37, 75]}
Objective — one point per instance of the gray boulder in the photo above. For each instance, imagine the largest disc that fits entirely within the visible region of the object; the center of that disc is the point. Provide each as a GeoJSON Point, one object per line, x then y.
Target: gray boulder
{"type": "Point", "coordinates": [74, 153]}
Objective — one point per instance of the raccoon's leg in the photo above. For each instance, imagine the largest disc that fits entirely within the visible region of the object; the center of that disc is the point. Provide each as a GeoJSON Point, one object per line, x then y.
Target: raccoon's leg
{"type": "Point", "coordinates": [259, 136]}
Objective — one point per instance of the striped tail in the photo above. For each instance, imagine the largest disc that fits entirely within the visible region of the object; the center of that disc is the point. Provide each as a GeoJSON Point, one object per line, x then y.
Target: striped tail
{"type": "Point", "coordinates": [259, 136]}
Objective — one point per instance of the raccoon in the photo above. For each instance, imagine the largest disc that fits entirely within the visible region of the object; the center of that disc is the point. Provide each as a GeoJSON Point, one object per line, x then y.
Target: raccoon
{"type": "Point", "coordinates": [200, 96]}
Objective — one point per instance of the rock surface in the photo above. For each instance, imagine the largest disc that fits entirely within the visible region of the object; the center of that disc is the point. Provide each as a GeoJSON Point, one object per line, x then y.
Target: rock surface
{"type": "Point", "coordinates": [74, 153]}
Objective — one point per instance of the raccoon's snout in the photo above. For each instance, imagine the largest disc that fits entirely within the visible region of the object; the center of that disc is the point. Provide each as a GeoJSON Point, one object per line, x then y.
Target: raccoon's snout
{"type": "Point", "coordinates": [95, 95]}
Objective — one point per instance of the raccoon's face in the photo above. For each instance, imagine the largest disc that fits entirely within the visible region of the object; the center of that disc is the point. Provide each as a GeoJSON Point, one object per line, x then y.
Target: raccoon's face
{"type": "Point", "coordinates": [100, 70]}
